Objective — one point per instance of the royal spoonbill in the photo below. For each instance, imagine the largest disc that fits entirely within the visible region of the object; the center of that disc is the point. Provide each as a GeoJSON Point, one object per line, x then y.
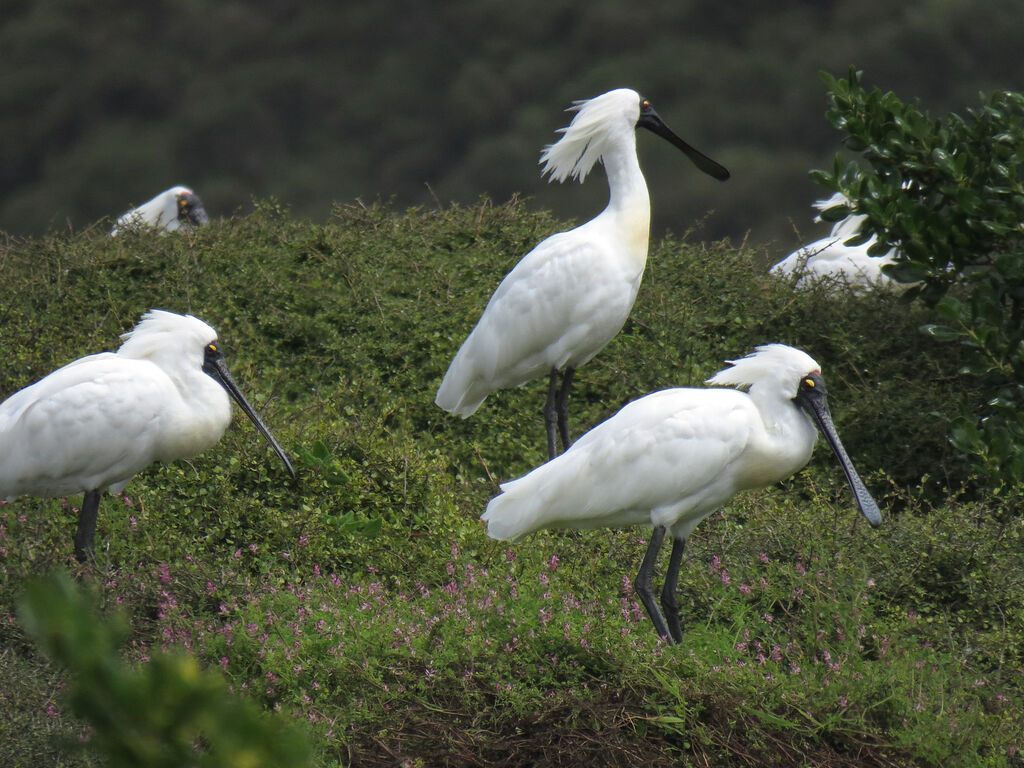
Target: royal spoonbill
{"type": "Point", "coordinates": [672, 457]}
{"type": "Point", "coordinates": [94, 423]}
{"type": "Point", "coordinates": [569, 296]}
{"type": "Point", "coordinates": [173, 209]}
{"type": "Point", "coordinates": [832, 257]}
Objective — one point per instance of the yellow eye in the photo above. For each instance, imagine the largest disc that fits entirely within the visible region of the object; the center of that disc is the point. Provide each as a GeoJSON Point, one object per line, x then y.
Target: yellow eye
{"type": "Point", "coordinates": [809, 383]}
{"type": "Point", "coordinates": [212, 347]}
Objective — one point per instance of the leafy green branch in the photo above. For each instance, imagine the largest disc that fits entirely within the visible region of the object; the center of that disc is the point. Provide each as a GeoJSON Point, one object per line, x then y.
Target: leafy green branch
{"type": "Point", "coordinates": [949, 195]}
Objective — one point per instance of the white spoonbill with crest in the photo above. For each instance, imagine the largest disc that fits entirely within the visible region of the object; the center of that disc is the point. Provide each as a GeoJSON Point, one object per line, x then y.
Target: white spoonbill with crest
{"type": "Point", "coordinates": [835, 257]}
{"type": "Point", "coordinates": [569, 296]}
{"type": "Point", "coordinates": [93, 424]}
{"type": "Point", "coordinates": [672, 457]}
{"type": "Point", "coordinates": [173, 209]}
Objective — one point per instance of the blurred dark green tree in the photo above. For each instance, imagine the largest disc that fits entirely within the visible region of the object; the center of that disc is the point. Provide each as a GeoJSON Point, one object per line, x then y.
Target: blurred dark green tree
{"type": "Point", "coordinates": [320, 102]}
{"type": "Point", "coordinates": [168, 712]}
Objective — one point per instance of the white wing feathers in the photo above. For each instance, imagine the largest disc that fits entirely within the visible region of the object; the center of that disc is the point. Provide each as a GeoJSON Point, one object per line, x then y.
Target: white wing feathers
{"type": "Point", "coordinates": [561, 304]}
{"type": "Point", "coordinates": [664, 458]}
{"type": "Point", "coordinates": [86, 425]}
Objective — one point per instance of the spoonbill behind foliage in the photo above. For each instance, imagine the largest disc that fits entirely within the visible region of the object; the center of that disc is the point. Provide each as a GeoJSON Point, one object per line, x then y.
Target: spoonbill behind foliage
{"type": "Point", "coordinates": [569, 296]}
{"type": "Point", "coordinates": [832, 257]}
{"type": "Point", "coordinates": [672, 457]}
{"type": "Point", "coordinates": [96, 422]}
{"type": "Point", "coordinates": [173, 209]}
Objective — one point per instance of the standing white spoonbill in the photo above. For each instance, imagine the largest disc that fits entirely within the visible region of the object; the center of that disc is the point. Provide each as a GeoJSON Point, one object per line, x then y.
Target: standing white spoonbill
{"type": "Point", "coordinates": [832, 257]}
{"type": "Point", "coordinates": [672, 457]}
{"type": "Point", "coordinates": [97, 421]}
{"type": "Point", "coordinates": [569, 296]}
{"type": "Point", "coordinates": [173, 209]}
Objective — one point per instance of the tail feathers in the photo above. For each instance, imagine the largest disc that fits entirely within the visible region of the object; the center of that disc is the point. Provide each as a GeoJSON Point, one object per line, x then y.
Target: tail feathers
{"type": "Point", "coordinates": [551, 496]}
{"type": "Point", "coordinates": [511, 516]}
{"type": "Point", "coordinates": [457, 395]}
{"type": "Point", "coordinates": [462, 390]}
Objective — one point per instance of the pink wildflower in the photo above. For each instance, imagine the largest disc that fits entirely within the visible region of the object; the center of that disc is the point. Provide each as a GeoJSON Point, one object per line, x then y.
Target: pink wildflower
{"type": "Point", "coordinates": [163, 572]}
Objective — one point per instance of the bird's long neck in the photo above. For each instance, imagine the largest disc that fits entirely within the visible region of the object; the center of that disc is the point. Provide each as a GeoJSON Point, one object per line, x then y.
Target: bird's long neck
{"type": "Point", "coordinates": [786, 443]}
{"type": "Point", "coordinates": [200, 416]}
{"type": "Point", "coordinates": [628, 200]}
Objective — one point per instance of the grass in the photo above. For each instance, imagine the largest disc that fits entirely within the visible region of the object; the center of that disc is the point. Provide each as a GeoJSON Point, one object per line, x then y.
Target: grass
{"type": "Point", "coordinates": [363, 601]}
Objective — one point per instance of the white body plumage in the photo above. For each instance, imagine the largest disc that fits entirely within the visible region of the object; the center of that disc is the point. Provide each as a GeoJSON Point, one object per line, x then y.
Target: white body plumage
{"type": "Point", "coordinates": [671, 457]}
{"type": "Point", "coordinates": [831, 257]}
{"type": "Point", "coordinates": [99, 420]}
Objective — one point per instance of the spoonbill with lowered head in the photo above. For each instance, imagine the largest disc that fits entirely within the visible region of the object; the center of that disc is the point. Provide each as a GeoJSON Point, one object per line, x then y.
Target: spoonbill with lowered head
{"type": "Point", "coordinates": [672, 457]}
{"type": "Point", "coordinates": [173, 209]}
{"type": "Point", "coordinates": [832, 257]}
{"type": "Point", "coordinates": [97, 421]}
{"type": "Point", "coordinates": [569, 296]}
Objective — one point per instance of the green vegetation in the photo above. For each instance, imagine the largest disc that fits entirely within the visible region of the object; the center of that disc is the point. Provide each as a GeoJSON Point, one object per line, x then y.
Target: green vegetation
{"type": "Point", "coordinates": [950, 194]}
{"type": "Point", "coordinates": [321, 101]}
{"type": "Point", "coordinates": [154, 715]}
{"type": "Point", "coordinates": [364, 601]}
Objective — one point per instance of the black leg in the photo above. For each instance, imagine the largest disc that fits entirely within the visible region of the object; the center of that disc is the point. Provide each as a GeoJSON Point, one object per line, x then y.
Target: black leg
{"type": "Point", "coordinates": [642, 584]}
{"type": "Point", "coordinates": [563, 407]}
{"type": "Point", "coordinates": [87, 526]}
{"type": "Point", "coordinates": [551, 413]}
{"type": "Point", "coordinates": [669, 601]}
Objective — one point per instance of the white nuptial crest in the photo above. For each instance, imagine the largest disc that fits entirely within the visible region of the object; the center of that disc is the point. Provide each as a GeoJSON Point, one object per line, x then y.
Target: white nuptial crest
{"type": "Point", "coordinates": [590, 133]}
{"type": "Point", "coordinates": [775, 362]}
{"type": "Point", "coordinates": [161, 334]}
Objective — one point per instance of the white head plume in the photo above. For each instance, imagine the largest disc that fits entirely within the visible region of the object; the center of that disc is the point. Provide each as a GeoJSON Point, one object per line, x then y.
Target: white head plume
{"type": "Point", "coordinates": [163, 336]}
{"type": "Point", "coordinates": [589, 134]}
{"type": "Point", "coordinates": [773, 364]}
{"type": "Point", "coordinates": [846, 227]}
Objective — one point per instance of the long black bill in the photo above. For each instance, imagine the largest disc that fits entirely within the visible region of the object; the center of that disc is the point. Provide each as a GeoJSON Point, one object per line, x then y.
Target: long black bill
{"type": "Point", "coordinates": [215, 366]}
{"type": "Point", "coordinates": [811, 397]}
{"type": "Point", "coordinates": [650, 120]}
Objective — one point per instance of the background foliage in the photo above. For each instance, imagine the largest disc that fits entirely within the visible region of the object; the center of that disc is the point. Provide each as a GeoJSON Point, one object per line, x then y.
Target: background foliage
{"type": "Point", "coordinates": [103, 106]}
{"type": "Point", "coordinates": [949, 194]}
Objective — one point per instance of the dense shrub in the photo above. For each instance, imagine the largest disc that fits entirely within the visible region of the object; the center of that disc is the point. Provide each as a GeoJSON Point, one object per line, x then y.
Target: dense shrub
{"type": "Point", "coordinates": [949, 193]}
{"type": "Point", "coordinates": [364, 597]}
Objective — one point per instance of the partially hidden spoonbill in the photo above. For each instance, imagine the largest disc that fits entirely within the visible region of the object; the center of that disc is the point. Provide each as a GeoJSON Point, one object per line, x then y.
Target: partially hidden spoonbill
{"type": "Point", "coordinates": [670, 458]}
{"type": "Point", "coordinates": [569, 296]}
{"type": "Point", "coordinates": [173, 209]}
{"type": "Point", "coordinates": [832, 256]}
{"type": "Point", "coordinates": [99, 420]}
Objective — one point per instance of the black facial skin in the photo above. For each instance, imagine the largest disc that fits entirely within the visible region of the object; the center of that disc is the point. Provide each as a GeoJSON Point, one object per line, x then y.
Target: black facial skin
{"type": "Point", "coordinates": [215, 366]}
{"type": "Point", "coordinates": [191, 210]}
